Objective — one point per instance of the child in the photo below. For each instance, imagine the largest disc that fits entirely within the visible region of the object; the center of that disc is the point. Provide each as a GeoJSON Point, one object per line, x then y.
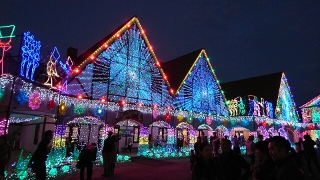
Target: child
{"type": "Point", "coordinates": [192, 159]}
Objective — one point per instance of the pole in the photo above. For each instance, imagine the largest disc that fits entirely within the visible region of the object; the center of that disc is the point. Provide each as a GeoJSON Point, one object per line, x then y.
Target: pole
{"type": "Point", "coordinates": [12, 88]}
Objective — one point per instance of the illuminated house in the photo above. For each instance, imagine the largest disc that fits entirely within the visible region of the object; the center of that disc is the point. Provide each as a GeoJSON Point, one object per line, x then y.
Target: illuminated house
{"type": "Point", "coordinates": [197, 91]}
{"type": "Point", "coordinates": [311, 114]}
{"type": "Point", "coordinates": [266, 101]}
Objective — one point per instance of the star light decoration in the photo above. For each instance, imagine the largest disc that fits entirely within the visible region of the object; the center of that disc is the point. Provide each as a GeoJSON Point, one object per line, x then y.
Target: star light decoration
{"type": "Point", "coordinates": [34, 100]}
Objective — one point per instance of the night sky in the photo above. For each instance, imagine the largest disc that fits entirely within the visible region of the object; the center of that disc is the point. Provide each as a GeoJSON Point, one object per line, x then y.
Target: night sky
{"type": "Point", "coordinates": [242, 38]}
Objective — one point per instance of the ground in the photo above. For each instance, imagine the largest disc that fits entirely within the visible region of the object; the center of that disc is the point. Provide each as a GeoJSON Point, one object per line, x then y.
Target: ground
{"type": "Point", "coordinates": [144, 168]}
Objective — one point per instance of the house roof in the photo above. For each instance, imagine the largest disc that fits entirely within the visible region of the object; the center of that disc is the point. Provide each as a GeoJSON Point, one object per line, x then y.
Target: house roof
{"type": "Point", "coordinates": [177, 69]}
{"type": "Point", "coordinates": [100, 43]}
{"type": "Point", "coordinates": [265, 86]}
{"type": "Point", "coordinates": [312, 103]}
{"type": "Point", "coordinates": [88, 56]}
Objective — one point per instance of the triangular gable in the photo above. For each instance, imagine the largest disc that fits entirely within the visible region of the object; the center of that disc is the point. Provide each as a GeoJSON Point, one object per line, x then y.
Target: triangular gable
{"type": "Point", "coordinates": [286, 108]}
{"type": "Point", "coordinates": [313, 102]}
{"type": "Point", "coordinates": [200, 90]}
{"type": "Point", "coordinates": [177, 69]}
{"type": "Point", "coordinates": [123, 65]}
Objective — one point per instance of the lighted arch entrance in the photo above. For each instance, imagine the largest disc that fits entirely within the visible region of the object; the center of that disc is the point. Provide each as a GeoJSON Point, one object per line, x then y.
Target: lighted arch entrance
{"type": "Point", "coordinates": [85, 130]}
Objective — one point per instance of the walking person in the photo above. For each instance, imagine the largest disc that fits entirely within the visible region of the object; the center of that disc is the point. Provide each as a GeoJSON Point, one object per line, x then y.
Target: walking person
{"type": "Point", "coordinates": [5, 155]}
{"type": "Point", "coordinates": [114, 154]}
{"type": "Point", "coordinates": [250, 150]}
{"type": "Point", "coordinates": [215, 144]}
{"type": "Point", "coordinates": [310, 153]}
{"type": "Point", "coordinates": [129, 144]}
{"type": "Point", "coordinates": [204, 168]}
{"type": "Point", "coordinates": [86, 158]}
{"type": "Point", "coordinates": [39, 157]}
{"type": "Point", "coordinates": [107, 152]}
{"type": "Point", "coordinates": [230, 163]}
{"type": "Point", "coordinates": [150, 139]}
{"type": "Point", "coordinates": [236, 145]}
{"type": "Point", "coordinates": [192, 159]}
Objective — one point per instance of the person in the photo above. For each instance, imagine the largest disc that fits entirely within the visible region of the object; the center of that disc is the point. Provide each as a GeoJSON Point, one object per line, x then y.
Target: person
{"type": "Point", "coordinates": [230, 163]}
{"type": "Point", "coordinates": [68, 146]}
{"type": "Point", "coordinates": [214, 140]}
{"type": "Point", "coordinates": [150, 139]}
{"type": "Point", "coordinates": [236, 145]}
{"type": "Point", "coordinates": [115, 153]}
{"type": "Point", "coordinates": [318, 142]}
{"type": "Point", "coordinates": [129, 144]}
{"type": "Point", "coordinates": [285, 167]}
{"type": "Point", "coordinates": [300, 146]}
{"type": "Point", "coordinates": [5, 154]}
{"type": "Point", "coordinates": [260, 137]}
{"type": "Point", "coordinates": [203, 137]}
{"type": "Point", "coordinates": [86, 157]}
{"type": "Point", "coordinates": [204, 167]}
{"type": "Point", "coordinates": [310, 153]}
{"type": "Point", "coordinates": [250, 150]}
{"type": "Point", "coordinates": [266, 164]}
{"type": "Point", "coordinates": [192, 159]}
{"type": "Point", "coordinates": [107, 152]}
{"type": "Point", "coordinates": [196, 145]}
{"type": "Point", "coordinates": [39, 157]}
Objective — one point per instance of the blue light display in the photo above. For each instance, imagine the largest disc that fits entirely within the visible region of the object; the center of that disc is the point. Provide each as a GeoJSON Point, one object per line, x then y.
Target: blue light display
{"type": "Point", "coordinates": [200, 92]}
{"type": "Point", "coordinates": [285, 109]}
{"type": "Point", "coordinates": [30, 56]}
{"type": "Point", "coordinates": [126, 69]}
{"type": "Point", "coordinates": [56, 55]}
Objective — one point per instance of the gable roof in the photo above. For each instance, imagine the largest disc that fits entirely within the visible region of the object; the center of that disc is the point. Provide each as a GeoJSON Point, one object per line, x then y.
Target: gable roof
{"type": "Point", "coordinates": [177, 69]}
{"type": "Point", "coordinates": [265, 86]}
{"type": "Point", "coordinates": [88, 56]}
{"type": "Point", "coordinates": [313, 102]}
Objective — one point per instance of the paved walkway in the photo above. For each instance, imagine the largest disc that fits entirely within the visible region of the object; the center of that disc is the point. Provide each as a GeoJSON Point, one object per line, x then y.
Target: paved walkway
{"type": "Point", "coordinates": [144, 168]}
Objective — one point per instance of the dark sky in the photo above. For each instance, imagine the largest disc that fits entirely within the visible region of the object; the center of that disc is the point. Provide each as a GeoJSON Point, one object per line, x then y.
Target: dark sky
{"type": "Point", "coordinates": [242, 38]}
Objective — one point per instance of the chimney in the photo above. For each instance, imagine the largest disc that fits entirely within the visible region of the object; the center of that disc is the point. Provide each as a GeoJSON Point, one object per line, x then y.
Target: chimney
{"type": "Point", "coordinates": [73, 53]}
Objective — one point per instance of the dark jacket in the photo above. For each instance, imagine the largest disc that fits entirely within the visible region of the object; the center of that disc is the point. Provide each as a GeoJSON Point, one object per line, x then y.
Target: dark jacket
{"type": "Point", "coordinates": [266, 169]}
{"type": "Point", "coordinates": [230, 165]}
{"type": "Point", "coordinates": [286, 169]}
{"type": "Point", "coordinates": [40, 155]}
{"type": "Point", "coordinates": [108, 145]}
{"type": "Point", "coordinates": [87, 155]}
{"type": "Point", "coordinates": [204, 170]}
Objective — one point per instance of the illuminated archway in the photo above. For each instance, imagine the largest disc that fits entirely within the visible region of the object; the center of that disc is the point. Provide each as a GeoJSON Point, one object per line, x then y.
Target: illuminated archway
{"type": "Point", "coordinates": [240, 131]}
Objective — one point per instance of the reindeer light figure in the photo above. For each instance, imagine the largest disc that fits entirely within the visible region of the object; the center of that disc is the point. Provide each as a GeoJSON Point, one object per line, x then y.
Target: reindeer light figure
{"type": "Point", "coordinates": [30, 55]}
{"type": "Point", "coordinates": [5, 46]}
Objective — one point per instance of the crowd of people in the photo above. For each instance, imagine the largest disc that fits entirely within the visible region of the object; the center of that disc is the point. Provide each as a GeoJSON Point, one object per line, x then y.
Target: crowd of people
{"type": "Point", "coordinates": [217, 160]}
